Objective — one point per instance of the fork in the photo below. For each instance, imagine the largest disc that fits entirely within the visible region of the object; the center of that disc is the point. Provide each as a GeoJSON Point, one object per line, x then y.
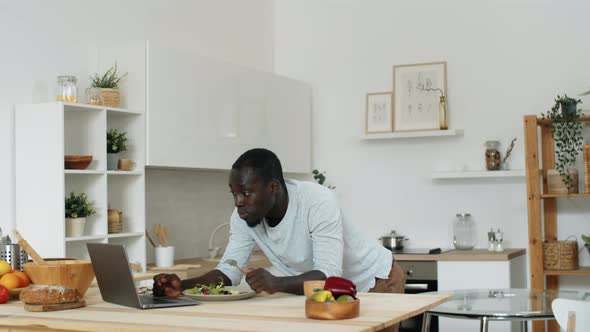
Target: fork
{"type": "Point", "coordinates": [232, 262]}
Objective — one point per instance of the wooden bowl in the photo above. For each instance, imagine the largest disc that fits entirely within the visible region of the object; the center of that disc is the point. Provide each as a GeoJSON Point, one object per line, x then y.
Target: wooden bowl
{"type": "Point", "coordinates": [77, 162]}
{"type": "Point", "coordinates": [332, 310]}
{"type": "Point", "coordinates": [67, 273]}
{"type": "Point", "coordinates": [311, 285]}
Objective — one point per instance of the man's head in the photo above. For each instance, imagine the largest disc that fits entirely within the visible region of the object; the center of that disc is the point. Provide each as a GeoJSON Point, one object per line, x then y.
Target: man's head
{"type": "Point", "coordinates": [255, 180]}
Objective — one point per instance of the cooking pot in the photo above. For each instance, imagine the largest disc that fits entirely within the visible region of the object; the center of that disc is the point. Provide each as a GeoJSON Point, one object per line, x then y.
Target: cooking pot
{"type": "Point", "coordinates": [393, 240]}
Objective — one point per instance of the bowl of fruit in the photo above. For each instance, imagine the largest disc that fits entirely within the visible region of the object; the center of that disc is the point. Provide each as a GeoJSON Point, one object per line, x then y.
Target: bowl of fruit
{"type": "Point", "coordinates": [337, 300]}
{"type": "Point", "coordinates": [12, 282]}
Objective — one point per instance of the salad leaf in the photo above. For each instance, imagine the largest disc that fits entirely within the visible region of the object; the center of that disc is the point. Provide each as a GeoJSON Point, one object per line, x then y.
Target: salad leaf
{"type": "Point", "coordinates": [211, 289]}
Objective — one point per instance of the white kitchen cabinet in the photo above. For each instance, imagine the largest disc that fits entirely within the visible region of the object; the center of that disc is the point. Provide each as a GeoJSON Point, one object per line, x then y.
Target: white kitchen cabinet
{"type": "Point", "coordinates": [456, 275]}
{"type": "Point", "coordinates": [44, 133]}
{"type": "Point", "coordinates": [204, 113]}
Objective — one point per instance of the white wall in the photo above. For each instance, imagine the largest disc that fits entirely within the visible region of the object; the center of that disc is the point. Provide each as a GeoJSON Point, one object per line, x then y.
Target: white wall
{"type": "Point", "coordinates": [43, 35]}
{"type": "Point", "coordinates": [505, 59]}
{"type": "Point", "coordinates": [7, 190]}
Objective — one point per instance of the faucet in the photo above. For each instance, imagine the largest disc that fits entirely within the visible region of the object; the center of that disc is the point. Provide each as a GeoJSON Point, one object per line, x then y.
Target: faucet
{"type": "Point", "coordinates": [213, 251]}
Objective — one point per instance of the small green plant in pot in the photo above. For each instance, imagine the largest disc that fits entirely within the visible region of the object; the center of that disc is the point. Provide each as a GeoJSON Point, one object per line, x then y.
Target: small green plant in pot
{"type": "Point", "coordinates": [586, 240]}
{"type": "Point", "coordinates": [321, 178]}
{"type": "Point", "coordinates": [77, 208]}
{"type": "Point", "coordinates": [116, 143]}
{"type": "Point", "coordinates": [567, 134]}
{"type": "Point", "coordinates": [109, 83]}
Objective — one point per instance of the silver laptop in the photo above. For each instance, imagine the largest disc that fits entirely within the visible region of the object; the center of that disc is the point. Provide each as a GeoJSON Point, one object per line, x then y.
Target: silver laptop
{"type": "Point", "coordinates": [115, 280]}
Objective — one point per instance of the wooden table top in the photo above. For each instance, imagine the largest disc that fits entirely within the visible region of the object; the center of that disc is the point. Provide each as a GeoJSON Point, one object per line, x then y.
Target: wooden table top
{"type": "Point", "coordinates": [278, 312]}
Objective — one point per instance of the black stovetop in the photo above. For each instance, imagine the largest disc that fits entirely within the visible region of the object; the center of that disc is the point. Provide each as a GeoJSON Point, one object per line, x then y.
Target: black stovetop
{"type": "Point", "coordinates": [419, 251]}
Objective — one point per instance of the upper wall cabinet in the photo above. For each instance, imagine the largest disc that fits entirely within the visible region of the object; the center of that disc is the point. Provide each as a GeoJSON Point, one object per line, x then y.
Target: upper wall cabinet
{"type": "Point", "coordinates": [204, 113]}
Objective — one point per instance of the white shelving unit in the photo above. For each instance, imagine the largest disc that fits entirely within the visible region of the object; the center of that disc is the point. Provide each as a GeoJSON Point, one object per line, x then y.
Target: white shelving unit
{"type": "Point", "coordinates": [44, 134]}
{"type": "Point", "coordinates": [517, 173]}
{"type": "Point", "coordinates": [414, 134]}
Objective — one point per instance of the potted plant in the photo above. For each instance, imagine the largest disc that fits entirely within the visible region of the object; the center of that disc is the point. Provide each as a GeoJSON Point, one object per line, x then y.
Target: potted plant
{"type": "Point", "coordinates": [567, 134]}
{"type": "Point", "coordinates": [586, 240]}
{"type": "Point", "coordinates": [78, 207]}
{"type": "Point", "coordinates": [116, 143]}
{"type": "Point", "coordinates": [321, 178]}
{"type": "Point", "coordinates": [109, 84]}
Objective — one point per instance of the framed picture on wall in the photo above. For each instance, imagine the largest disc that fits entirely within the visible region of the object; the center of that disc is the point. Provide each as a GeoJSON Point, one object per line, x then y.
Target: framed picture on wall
{"type": "Point", "coordinates": [417, 89]}
{"type": "Point", "coordinates": [378, 114]}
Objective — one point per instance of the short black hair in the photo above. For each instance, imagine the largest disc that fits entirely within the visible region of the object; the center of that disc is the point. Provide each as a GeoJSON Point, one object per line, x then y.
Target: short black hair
{"type": "Point", "coordinates": [264, 163]}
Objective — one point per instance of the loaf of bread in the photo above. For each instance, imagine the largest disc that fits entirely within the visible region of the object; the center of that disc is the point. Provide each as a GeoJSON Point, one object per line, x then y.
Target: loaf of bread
{"type": "Point", "coordinates": [44, 294]}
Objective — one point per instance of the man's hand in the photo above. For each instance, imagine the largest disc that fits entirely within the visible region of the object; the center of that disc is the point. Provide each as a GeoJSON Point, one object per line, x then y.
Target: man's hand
{"type": "Point", "coordinates": [260, 280]}
{"type": "Point", "coordinates": [167, 285]}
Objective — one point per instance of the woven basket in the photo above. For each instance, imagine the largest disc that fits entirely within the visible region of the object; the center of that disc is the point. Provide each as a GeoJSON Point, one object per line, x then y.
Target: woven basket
{"type": "Point", "coordinates": [555, 183]}
{"type": "Point", "coordinates": [111, 97]}
{"type": "Point", "coordinates": [560, 255]}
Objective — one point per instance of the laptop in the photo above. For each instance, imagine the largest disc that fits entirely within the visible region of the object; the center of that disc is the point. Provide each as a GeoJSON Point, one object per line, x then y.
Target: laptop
{"type": "Point", "coordinates": [115, 279]}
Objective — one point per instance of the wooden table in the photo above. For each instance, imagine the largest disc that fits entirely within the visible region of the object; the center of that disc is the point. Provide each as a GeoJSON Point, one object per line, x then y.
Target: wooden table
{"type": "Point", "coordinates": [278, 312]}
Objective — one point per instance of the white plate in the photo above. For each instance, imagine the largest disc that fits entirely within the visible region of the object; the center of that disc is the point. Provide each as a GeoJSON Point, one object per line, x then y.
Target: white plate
{"type": "Point", "coordinates": [235, 297]}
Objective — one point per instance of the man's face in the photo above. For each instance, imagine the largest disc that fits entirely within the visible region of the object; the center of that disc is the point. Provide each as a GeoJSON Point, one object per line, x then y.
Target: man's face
{"type": "Point", "coordinates": [252, 196]}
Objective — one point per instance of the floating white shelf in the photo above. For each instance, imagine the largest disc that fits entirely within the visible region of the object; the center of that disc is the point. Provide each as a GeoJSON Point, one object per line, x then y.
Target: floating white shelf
{"type": "Point", "coordinates": [124, 172]}
{"type": "Point", "coordinates": [85, 238]}
{"type": "Point", "coordinates": [83, 171]}
{"type": "Point", "coordinates": [131, 234]}
{"type": "Point", "coordinates": [517, 173]}
{"type": "Point", "coordinates": [413, 134]}
{"type": "Point", "coordinates": [78, 107]}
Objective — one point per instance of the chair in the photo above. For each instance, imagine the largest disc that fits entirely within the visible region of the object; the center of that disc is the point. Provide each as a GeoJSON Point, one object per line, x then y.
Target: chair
{"type": "Point", "coordinates": [572, 315]}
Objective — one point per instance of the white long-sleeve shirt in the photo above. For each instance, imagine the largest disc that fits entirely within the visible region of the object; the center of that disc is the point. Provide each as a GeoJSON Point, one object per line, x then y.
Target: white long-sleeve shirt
{"type": "Point", "coordinates": [311, 236]}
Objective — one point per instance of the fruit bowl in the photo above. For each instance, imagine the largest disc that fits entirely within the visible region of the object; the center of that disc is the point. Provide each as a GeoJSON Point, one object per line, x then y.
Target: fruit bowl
{"type": "Point", "coordinates": [77, 162]}
{"type": "Point", "coordinates": [68, 273]}
{"type": "Point", "coordinates": [332, 310]}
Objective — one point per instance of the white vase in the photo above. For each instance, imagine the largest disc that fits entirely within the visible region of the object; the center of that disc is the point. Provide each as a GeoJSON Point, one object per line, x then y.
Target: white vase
{"type": "Point", "coordinates": [75, 227]}
{"type": "Point", "coordinates": [165, 256]}
{"type": "Point", "coordinates": [112, 161]}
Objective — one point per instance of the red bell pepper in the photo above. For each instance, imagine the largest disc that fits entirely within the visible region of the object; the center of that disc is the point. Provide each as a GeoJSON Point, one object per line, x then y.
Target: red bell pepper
{"type": "Point", "coordinates": [340, 286]}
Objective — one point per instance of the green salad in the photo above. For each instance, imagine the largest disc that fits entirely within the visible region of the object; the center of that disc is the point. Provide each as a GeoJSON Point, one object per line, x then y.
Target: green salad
{"type": "Point", "coordinates": [212, 289]}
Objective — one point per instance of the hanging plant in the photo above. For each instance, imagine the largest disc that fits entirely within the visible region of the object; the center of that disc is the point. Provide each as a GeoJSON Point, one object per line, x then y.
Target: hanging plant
{"type": "Point", "coordinates": [321, 178]}
{"type": "Point", "coordinates": [567, 134]}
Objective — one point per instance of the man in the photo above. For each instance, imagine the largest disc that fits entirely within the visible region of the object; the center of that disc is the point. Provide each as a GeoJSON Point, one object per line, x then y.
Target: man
{"type": "Point", "coordinates": [300, 229]}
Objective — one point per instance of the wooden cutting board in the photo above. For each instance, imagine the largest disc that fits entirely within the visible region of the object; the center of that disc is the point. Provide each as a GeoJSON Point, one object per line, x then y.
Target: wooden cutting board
{"type": "Point", "coordinates": [183, 271]}
{"type": "Point", "coordinates": [175, 267]}
{"type": "Point", "coordinates": [54, 307]}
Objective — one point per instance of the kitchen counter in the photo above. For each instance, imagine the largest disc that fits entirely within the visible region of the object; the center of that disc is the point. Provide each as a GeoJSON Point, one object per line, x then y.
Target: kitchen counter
{"type": "Point", "coordinates": [278, 312]}
{"type": "Point", "coordinates": [204, 266]}
{"type": "Point", "coordinates": [465, 255]}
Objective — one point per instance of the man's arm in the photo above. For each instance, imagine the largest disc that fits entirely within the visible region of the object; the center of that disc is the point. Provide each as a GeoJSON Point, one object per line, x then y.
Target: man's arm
{"type": "Point", "coordinates": [263, 281]}
{"type": "Point", "coordinates": [170, 285]}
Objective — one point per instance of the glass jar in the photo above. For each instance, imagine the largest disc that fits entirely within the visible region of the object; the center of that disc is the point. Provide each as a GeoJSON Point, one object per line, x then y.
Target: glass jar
{"type": "Point", "coordinates": [67, 89]}
{"type": "Point", "coordinates": [464, 232]}
{"type": "Point", "coordinates": [493, 160]}
{"type": "Point", "coordinates": [94, 96]}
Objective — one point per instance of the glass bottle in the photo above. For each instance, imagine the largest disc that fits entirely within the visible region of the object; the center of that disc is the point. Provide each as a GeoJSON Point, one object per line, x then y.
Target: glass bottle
{"type": "Point", "coordinates": [67, 89]}
{"type": "Point", "coordinates": [493, 160]}
{"type": "Point", "coordinates": [94, 96]}
{"type": "Point", "coordinates": [464, 232]}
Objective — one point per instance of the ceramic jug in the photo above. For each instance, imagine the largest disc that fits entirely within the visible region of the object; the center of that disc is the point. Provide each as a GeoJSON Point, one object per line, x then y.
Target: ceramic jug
{"type": "Point", "coordinates": [114, 216]}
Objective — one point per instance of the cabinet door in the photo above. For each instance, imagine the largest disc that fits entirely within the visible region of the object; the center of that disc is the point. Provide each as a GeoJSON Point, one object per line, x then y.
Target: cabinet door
{"type": "Point", "coordinates": [204, 113]}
